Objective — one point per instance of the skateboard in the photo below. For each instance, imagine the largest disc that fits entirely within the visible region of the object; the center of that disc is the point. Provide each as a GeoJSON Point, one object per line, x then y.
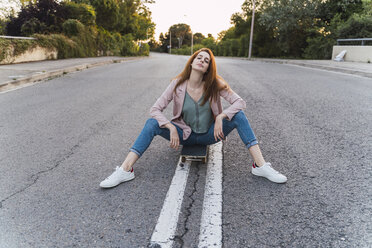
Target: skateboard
{"type": "Point", "coordinates": [194, 153]}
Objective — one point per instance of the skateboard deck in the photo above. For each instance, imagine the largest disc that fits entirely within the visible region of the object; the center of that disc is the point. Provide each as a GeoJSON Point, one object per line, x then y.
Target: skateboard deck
{"type": "Point", "coordinates": [194, 153]}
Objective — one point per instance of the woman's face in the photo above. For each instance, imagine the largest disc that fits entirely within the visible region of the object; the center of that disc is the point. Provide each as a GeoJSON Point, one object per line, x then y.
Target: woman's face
{"type": "Point", "coordinates": [201, 62]}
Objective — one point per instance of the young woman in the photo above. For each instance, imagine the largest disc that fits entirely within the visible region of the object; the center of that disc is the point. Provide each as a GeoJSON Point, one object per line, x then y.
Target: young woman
{"type": "Point", "coordinates": [198, 118]}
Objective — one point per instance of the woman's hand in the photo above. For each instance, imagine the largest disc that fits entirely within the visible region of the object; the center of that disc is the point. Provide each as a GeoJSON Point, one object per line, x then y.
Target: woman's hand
{"type": "Point", "coordinates": [174, 138]}
{"type": "Point", "coordinates": [218, 132]}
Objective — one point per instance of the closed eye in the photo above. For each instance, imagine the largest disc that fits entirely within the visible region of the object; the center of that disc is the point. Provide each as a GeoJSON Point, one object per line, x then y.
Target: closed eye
{"type": "Point", "coordinates": [206, 59]}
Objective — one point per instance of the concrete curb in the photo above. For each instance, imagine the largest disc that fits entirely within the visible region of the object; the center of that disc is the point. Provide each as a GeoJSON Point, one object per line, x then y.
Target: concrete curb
{"type": "Point", "coordinates": [55, 73]}
{"type": "Point", "coordinates": [329, 68]}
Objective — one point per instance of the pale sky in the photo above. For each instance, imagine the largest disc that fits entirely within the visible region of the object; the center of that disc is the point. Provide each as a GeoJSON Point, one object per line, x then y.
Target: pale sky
{"type": "Point", "coordinates": [204, 16]}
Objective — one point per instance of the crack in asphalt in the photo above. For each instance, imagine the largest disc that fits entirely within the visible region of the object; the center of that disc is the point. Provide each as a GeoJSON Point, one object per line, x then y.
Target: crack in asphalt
{"type": "Point", "coordinates": [93, 130]}
{"type": "Point", "coordinates": [179, 238]}
{"type": "Point", "coordinates": [35, 177]}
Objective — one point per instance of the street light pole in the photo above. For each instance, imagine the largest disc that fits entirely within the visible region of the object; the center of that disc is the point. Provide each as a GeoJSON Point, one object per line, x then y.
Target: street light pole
{"type": "Point", "coordinates": [252, 24]}
{"type": "Point", "coordinates": [192, 38]}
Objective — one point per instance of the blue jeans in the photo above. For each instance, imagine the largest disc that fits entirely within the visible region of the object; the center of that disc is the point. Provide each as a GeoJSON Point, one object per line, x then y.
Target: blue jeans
{"type": "Point", "coordinates": [151, 129]}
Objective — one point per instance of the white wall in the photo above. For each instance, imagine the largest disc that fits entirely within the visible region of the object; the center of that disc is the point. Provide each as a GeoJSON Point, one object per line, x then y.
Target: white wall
{"type": "Point", "coordinates": [354, 53]}
{"type": "Point", "coordinates": [35, 54]}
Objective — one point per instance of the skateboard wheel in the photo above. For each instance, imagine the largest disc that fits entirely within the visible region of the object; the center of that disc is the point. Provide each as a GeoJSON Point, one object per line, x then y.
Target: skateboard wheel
{"type": "Point", "coordinates": [183, 159]}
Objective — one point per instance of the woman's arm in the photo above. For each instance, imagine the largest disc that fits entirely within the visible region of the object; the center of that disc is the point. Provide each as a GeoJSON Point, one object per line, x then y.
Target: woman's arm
{"type": "Point", "coordinates": [237, 103]}
{"type": "Point", "coordinates": [156, 111]}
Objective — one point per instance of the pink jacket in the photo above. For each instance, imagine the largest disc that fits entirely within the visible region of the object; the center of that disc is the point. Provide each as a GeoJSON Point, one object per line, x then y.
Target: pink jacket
{"type": "Point", "coordinates": [237, 104]}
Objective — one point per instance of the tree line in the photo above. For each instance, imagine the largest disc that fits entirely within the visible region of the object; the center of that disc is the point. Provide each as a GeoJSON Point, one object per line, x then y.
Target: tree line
{"type": "Point", "coordinates": [81, 28]}
{"type": "Point", "coordinates": [282, 29]}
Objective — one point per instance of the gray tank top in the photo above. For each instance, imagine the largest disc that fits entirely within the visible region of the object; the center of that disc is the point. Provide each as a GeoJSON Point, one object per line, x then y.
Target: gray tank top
{"type": "Point", "coordinates": [198, 117]}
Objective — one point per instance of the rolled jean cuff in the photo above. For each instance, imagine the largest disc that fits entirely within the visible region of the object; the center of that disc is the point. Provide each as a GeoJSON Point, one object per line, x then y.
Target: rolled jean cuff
{"type": "Point", "coordinates": [254, 142]}
{"type": "Point", "coordinates": [136, 152]}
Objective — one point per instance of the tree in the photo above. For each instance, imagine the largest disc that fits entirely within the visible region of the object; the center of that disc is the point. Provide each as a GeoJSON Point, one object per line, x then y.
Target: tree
{"type": "Point", "coordinates": [182, 32]}
{"type": "Point", "coordinates": [198, 38]}
{"type": "Point", "coordinates": [83, 12]}
{"type": "Point", "coordinates": [145, 26]}
{"type": "Point", "coordinates": [154, 45]}
{"type": "Point", "coordinates": [242, 26]}
{"type": "Point", "coordinates": [264, 42]}
{"type": "Point", "coordinates": [107, 13]}
{"type": "Point", "coordinates": [330, 25]}
{"type": "Point", "coordinates": [42, 17]}
{"type": "Point", "coordinates": [164, 42]}
{"type": "Point", "coordinates": [210, 43]}
{"type": "Point", "coordinates": [226, 34]}
{"type": "Point", "coordinates": [357, 26]}
{"type": "Point", "coordinates": [289, 20]}
{"type": "Point", "coordinates": [344, 8]}
{"type": "Point", "coordinates": [135, 18]}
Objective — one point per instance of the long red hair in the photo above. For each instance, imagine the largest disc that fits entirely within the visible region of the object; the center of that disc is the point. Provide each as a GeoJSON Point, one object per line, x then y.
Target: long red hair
{"type": "Point", "coordinates": [213, 82]}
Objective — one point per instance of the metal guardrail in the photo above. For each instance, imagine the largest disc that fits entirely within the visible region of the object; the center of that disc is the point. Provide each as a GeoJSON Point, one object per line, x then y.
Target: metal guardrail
{"type": "Point", "coordinates": [17, 37]}
{"type": "Point", "coordinates": [359, 39]}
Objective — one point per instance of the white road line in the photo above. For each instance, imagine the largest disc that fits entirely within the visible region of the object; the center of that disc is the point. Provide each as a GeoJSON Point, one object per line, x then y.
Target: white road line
{"type": "Point", "coordinates": [211, 220]}
{"type": "Point", "coordinates": [167, 222]}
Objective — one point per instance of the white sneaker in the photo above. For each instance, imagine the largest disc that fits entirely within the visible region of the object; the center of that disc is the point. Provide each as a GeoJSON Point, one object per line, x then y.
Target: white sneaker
{"type": "Point", "coordinates": [117, 177]}
{"type": "Point", "coordinates": [267, 171]}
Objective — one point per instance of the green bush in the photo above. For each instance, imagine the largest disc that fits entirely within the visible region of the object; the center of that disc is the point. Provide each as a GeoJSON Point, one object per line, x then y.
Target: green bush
{"type": "Point", "coordinates": [84, 37]}
{"type": "Point", "coordinates": [319, 47]}
{"type": "Point", "coordinates": [224, 47]}
{"type": "Point", "coordinates": [109, 43]}
{"type": "Point", "coordinates": [195, 48]}
{"type": "Point", "coordinates": [186, 50]}
{"type": "Point", "coordinates": [243, 46]}
{"type": "Point", "coordinates": [66, 47]}
{"type": "Point", "coordinates": [78, 40]}
{"type": "Point", "coordinates": [129, 48]}
{"type": "Point", "coordinates": [3, 44]}
{"type": "Point", "coordinates": [74, 47]}
{"type": "Point", "coordinates": [268, 49]}
{"type": "Point", "coordinates": [210, 43]}
{"type": "Point", "coordinates": [86, 40]}
{"type": "Point", "coordinates": [144, 49]}
{"type": "Point", "coordinates": [2, 26]}
{"type": "Point", "coordinates": [72, 27]}
{"type": "Point", "coordinates": [234, 49]}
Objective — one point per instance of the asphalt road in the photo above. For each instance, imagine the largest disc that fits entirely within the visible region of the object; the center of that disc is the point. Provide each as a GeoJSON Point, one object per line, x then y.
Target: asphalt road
{"type": "Point", "coordinates": [61, 137]}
